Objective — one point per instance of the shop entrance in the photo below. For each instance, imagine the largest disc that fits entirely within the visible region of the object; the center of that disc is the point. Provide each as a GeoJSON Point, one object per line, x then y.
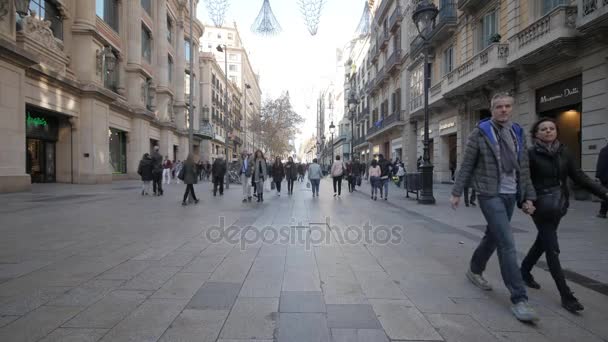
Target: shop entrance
{"type": "Point", "coordinates": [452, 154]}
{"type": "Point", "coordinates": [40, 160]}
{"type": "Point", "coordinates": [569, 123]}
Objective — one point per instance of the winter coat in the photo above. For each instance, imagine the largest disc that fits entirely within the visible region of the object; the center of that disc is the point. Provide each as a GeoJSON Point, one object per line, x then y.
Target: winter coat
{"type": "Point", "coordinates": [145, 169]}
{"type": "Point", "coordinates": [385, 168]}
{"type": "Point", "coordinates": [314, 171]}
{"type": "Point", "coordinates": [190, 175]}
{"type": "Point", "coordinates": [337, 168]}
{"type": "Point", "coordinates": [278, 173]}
{"type": "Point", "coordinates": [601, 172]}
{"type": "Point", "coordinates": [219, 168]}
{"type": "Point", "coordinates": [291, 171]}
{"type": "Point", "coordinates": [301, 169]}
{"type": "Point", "coordinates": [249, 170]}
{"type": "Point", "coordinates": [356, 167]}
{"type": "Point", "coordinates": [480, 167]}
{"type": "Point", "coordinates": [257, 175]}
{"type": "Point", "coordinates": [552, 169]}
{"type": "Point", "coordinates": [157, 162]}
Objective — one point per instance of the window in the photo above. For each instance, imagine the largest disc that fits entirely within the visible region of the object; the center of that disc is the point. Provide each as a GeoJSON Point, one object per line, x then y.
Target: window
{"type": "Point", "coordinates": [169, 30]}
{"type": "Point", "coordinates": [110, 79]}
{"type": "Point", "coordinates": [233, 79]}
{"type": "Point", "coordinates": [47, 10]}
{"type": "Point", "coordinates": [233, 67]}
{"type": "Point", "coordinates": [118, 150]}
{"type": "Point", "coordinates": [187, 85]}
{"type": "Point", "coordinates": [107, 10]}
{"type": "Point", "coordinates": [187, 50]}
{"type": "Point", "coordinates": [489, 27]}
{"type": "Point", "coordinates": [448, 60]}
{"type": "Point", "coordinates": [416, 86]}
{"type": "Point", "coordinates": [230, 36]}
{"type": "Point", "coordinates": [146, 44]}
{"type": "Point", "coordinates": [147, 6]}
{"type": "Point", "coordinates": [170, 69]}
{"type": "Point", "coordinates": [219, 36]}
{"type": "Point", "coordinates": [549, 5]}
{"type": "Point", "coordinates": [148, 96]}
{"type": "Point", "coordinates": [232, 57]}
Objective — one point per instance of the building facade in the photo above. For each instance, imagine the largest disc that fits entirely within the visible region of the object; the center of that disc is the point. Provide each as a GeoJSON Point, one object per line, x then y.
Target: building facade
{"type": "Point", "coordinates": [240, 72]}
{"type": "Point", "coordinates": [87, 87]}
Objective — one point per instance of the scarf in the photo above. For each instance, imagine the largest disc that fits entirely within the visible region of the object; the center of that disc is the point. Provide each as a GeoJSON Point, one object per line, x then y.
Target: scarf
{"type": "Point", "coordinates": [507, 147]}
{"type": "Point", "coordinates": [552, 148]}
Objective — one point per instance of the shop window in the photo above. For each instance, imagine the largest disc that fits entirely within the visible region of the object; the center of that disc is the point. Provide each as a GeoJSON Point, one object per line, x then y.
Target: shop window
{"type": "Point", "coordinates": [118, 151]}
{"type": "Point", "coordinates": [146, 44]}
{"type": "Point", "coordinates": [147, 6]}
{"type": "Point", "coordinates": [107, 10]}
{"type": "Point", "coordinates": [47, 10]}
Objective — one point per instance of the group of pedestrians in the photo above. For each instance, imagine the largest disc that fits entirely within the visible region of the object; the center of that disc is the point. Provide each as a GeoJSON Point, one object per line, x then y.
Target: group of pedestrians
{"type": "Point", "coordinates": [498, 166]}
{"type": "Point", "coordinates": [151, 171]}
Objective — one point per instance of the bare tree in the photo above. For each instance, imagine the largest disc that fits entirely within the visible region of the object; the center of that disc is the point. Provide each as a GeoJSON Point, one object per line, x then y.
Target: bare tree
{"type": "Point", "coordinates": [277, 126]}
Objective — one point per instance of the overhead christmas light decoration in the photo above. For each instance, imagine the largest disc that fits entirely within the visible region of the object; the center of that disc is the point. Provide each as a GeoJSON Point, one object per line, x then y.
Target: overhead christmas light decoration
{"type": "Point", "coordinates": [311, 9]}
{"type": "Point", "coordinates": [217, 11]}
{"type": "Point", "coordinates": [364, 27]}
{"type": "Point", "coordinates": [266, 24]}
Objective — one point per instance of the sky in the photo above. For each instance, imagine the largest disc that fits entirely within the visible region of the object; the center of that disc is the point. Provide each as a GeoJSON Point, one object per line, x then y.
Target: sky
{"type": "Point", "coordinates": [294, 60]}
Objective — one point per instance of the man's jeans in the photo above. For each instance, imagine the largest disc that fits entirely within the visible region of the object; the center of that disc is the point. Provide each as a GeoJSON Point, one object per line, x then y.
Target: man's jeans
{"type": "Point", "coordinates": [498, 211]}
{"type": "Point", "coordinates": [246, 186]}
{"type": "Point", "coordinates": [315, 185]}
{"type": "Point", "coordinates": [384, 186]}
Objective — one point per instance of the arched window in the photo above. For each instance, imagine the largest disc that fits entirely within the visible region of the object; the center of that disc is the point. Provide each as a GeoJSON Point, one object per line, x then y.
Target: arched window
{"type": "Point", "coordinates": [47, 10]}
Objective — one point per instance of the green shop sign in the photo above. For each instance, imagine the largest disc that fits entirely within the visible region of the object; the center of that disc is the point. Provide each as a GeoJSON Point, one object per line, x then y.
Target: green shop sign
{"type": "Point", "coordinates": [36, 122]}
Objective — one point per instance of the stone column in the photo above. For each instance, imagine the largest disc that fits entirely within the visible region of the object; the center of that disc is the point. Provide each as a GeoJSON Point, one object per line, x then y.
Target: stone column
{"type": "Point", "coordinates": [139, 143]}
{"type": "Point", "coordinates": [180, 67]}
{"type": "Point", "coordinates": [161, 44]}
{"type": "Point", "coordinates": [513, 17]}
{"type": "Point", "coordinates": [134, 79]}
{"type": "Point", "coordinates": [84, 51]}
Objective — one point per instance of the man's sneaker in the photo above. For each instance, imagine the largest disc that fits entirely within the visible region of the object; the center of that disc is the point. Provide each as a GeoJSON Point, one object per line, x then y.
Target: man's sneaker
{"type": "Point", "coordinates": [479, 281]}
{"type": "Point", "coordinates": [524, 312]}
{"type": "Point", "coordinates": [572, 304]}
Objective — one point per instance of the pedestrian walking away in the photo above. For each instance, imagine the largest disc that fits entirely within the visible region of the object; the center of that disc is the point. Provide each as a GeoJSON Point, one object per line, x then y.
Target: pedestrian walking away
{"type": "Point", "coordinates": [356, 174]}
{"type": "Point", "coordinates": [400, 173]}
{"type": "Point", "coordinates": [145, 171]}
{"type": "Point", "coordinates": [218, 171]}
{"type": "Point", "coordinates": [190, 178]}
{"type": "Point", "coordinates": [278, 173]}
{"type": "Point", "coordinates": [337, 171]}
{"type": "Point", "coordinates": [301, 171]}
{"type": "Point", "coordinates": [291, 173]}
{"type": "Point", "coordinates": [245, 169]}
{"type": "Point", "coordinates": [495, 164]}
{"type": "Point", "coordinates": [314, 176]}
{"type": "Point", "coordinates": [386, 172]}
{"type": "Point", "coordinates": [551, 164]}
{"type": "Point", "coordinates": [157, 171]}
{"type": "Point", "coordinates": [260, 174]}
{"type": "Point", "coordinates": [167, 166]}
{"type": "Point", "coordinates": [374, 179]}
{"type": "Point", "coordinates": [349, 176]}
{"type": "Point", "coordinates": [601, 174]}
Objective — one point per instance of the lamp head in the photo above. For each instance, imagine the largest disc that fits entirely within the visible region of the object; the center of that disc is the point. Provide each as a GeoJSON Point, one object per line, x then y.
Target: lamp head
{"type": "Point", "coordinates": [219, 48]}
{"type": "Point", "coordinates": [22, 7]}
{"type": "Point", "coordinates": [424, 16]}
{"type": "Point", "coordinates": [332, 128]}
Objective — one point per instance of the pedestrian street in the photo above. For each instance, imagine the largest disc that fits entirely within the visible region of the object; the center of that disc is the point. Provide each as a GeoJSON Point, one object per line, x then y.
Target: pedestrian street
{"type": "Point", "coordinates": [104, 263]}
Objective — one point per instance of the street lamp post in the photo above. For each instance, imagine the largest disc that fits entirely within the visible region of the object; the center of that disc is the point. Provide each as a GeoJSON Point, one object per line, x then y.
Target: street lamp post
{"type": "Point", "coordinates": [224, 49]}
{"type": "Point", "coordinates": [352, 106]}
{"type": "Point", "coordinates": [332, 130]}
{"type": "Point", "coordinates": [424, 18]}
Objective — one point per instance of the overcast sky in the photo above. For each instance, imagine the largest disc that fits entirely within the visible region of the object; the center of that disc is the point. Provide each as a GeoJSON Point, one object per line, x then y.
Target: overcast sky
{"type": "Point", "coordinates": [294, 60]}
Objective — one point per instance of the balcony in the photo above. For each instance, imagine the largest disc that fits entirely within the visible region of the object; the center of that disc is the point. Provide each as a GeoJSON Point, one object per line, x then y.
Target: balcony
{"type": "Point", "coordinates": [205, 131]}
{"type": "Point", "coordinates": [470, 6]}
{"type": "Point", "coordinates": [219, 138]}
{"type": "Point", "coordinates": [592, 14]}
{"type": "Point", "coordinates": [374, 53]}
{"type": "Point", "coordinates": [364, 113]}
{"type": "Point", "coordinates": [360, 141]}
{"type": "Point", "coordinates": [416, 106]}
{"type": "Point", "coordinates": [445, 24]}
{"type": "Point", "coordinates": [379, 80]}
{"type": "Point", "coordinates": [483, 68]}
{"type": "Point", "coordinates": [384, 38]}
{"type": "Point", "coordinates": [237, 140]}
{"type": "Point", "coordinates": [382, 9]}
{"type": "Point", "coordinates": [385, 124]}
{"type": "Point", "coordinates": [553, 36]}
{"type": "Point", "coordinates": [435, 93]}
{"type": "Point", "coordinates": [395, 21]}
{"type": "Point", "coordinates": [394, 62]}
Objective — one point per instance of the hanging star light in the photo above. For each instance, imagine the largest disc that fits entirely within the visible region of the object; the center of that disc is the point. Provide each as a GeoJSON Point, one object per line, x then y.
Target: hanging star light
{"type": "Point", "coordinates": [266, 24]}
{"type": "Point", "coordinates": [311, 9]}
{"type": "Point", "coordinates": [217, 11]}
{"type": "Point", "coordinates": [364, 27]}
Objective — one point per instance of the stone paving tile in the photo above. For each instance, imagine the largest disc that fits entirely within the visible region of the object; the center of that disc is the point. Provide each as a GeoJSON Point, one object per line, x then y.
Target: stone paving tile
{"type": "Point", "coordinates": [109, 310]}
{"type": "Point", "coordinates": [29, 300]}
{"type": "Point", "coordinates": [352, 316]}
{"type": "Point", "coordinates": [80, 296]}
{"type": "Point", "coordinates": [296, 280]}
{"type": "Point", "coordinates": [223, 340]}
{"type": "Point", "coordinates": [515, 336]}
{"type": "Point", "coordinates": [151, 279]}
{"type": "Point", "coordinates": [298, 302]}
{"type": "Point", "coordinates": [207, 262]}
{"type": "Point", "coordinates": [265, 278]}
{"type": "Point", "coordinates": [126, 270]}
{"type": "Point", "coordinates": [214, 296]}
{"type": "Point", "coordinates": [358, 335]}
{"type": "Point", "coordinates": [401, 322]}
{"type": "Point", "coordinates": [196, 326]}
{"type": "Point", "coordinates": [8, 271]}
{"type": "Point", "coordinates": [379, 285]}
{"type": "Point", "coordinates": [252, 318]}
{"type": "Point", "coordinates": [460, 328]}
{"type": "Point", "coordinates": [36, 324]}
{"type": "Point", "coordinates": [178, 258]}
{"type": "Point", "coordinates": [147, 322]}
{"type": "Point", "coordinates": [6, 319]}
{"type": "Point", "coordinates": [182, 286]}
{"type": "Point", "coordinates": [302, 327]}
{"type": "Point", "coordinates": [233, 269]}
{"type": "Point", "coordinates": [75, 335]}
{"type": "Point", "coordinates": [103, 283]}
{"type": "Point", "coordinates": [494, 315]}
{"type": "Point", "coordinates": [562, 330]}
{"type": "Point", "coordinates": [343, 290]}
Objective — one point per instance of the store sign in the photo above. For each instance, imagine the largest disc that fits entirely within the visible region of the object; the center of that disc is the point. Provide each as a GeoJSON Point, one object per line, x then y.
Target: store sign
{"type": "Point", "coordinates": [41, 126]}
{"type": "Point", "coordinates": [36, 121]}
{"type": "Point", "coordinates": [561, 94]}
{"type": "Point", "coordinates": [447, 125]}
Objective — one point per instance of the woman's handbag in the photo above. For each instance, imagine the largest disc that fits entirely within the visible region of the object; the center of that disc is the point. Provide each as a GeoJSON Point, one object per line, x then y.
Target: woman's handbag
{"type": "Point", "coordinates": [551, 203]}
{"type": "Point", "coordinates": [308, 185]}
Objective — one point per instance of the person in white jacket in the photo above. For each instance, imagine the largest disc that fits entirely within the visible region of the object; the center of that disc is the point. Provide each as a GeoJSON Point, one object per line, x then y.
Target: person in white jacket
{"type": "Point", "coordinates": [337, 171]}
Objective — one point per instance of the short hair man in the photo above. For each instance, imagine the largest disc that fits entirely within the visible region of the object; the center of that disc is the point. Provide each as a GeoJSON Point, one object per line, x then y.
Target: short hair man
{"type": "Point", "coordinates": [495, 164]}
{"type": "Point", "coordinates": [245, 168]}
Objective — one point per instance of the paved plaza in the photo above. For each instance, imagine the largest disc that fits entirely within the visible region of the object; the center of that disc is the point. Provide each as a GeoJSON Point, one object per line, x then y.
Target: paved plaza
{"type": "Point", "coordinates": [103, 263]}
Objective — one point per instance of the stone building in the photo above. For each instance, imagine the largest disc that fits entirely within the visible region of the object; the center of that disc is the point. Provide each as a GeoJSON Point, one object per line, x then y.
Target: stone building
{"type": "Point", "coordinates": [87, 87]}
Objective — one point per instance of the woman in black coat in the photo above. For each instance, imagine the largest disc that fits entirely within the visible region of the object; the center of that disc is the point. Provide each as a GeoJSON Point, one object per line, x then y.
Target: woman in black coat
{"type": "Point", "coordinates": [550, 167]}
{"type": "Point", "coordinates": [278, 173]}
{"type": "Point", "coordinates": [145, 171]}
{"type": "Point", "coordinates": [291, 173]}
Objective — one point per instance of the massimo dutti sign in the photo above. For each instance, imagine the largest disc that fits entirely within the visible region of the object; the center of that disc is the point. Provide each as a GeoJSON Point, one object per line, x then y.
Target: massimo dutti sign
{"type": "Point", "coordinates": [561, 94]}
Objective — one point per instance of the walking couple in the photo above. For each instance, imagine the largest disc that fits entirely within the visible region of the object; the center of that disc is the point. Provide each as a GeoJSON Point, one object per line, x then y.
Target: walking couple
{"type": "Point", "coordinates": [255, 169]}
